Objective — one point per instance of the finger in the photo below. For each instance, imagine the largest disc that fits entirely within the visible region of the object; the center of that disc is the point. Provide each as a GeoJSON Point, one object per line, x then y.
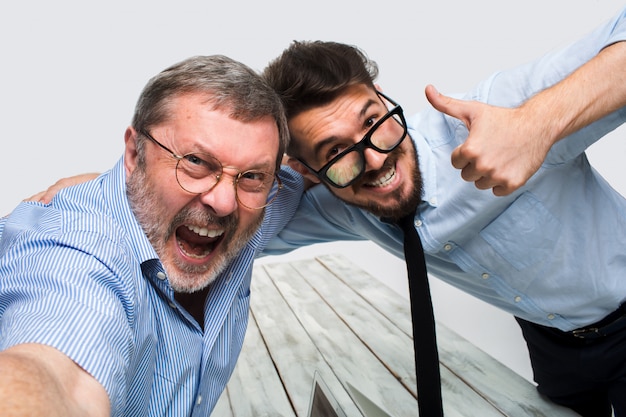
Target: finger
{"type": "Point", "coordinates": [485, 183]}
{"type": "Point", "coordinates": [470, 174]}
{"type": "Point", "coordinates": [450, 106]}
{"type": "Point", "coordinates": [458, 160]}
{"type": "Point", "coordinates": [52, 191]}
{"type": "Point", "coordinates": [36, 197]}
{"type": "Point", "coordinates": [501, 191]}
{"type": "Point", "coordinates": [45, 197]}
{"type": "Point", "coordinates": [434, 97]}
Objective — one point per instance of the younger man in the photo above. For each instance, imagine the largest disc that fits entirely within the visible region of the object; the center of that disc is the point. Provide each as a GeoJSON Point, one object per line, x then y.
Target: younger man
{"type": "Point", "coordinates": [551, 252]}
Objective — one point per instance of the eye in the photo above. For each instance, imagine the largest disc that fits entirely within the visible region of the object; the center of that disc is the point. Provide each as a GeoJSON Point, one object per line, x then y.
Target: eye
{"type": "Point", "coordinates": [192, 159]}
{"type": "Point", "coordinates": [254, 176]}
{"type": "Point", "coordinates": [369, 122]}
{"type": "Point", "coordinates": [334, 151]}
{"type": "Point", "coordinates": [199, 165]}
{"type": "Point", "coordinates": [377, 112]}
{"type": "Point", "coordinates": [254, 181]}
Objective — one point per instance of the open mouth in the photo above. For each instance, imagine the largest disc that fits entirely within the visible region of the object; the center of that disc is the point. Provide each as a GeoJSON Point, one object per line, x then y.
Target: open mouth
{"type": "Point", "coordinates": [384, 179]}
{"type": "Point", "coordinates": [197, 242]}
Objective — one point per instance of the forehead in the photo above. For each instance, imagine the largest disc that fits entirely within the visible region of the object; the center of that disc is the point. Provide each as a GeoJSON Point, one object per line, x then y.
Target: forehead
{"type": "Point", "coordinates": [196, 125]}
{"type": "Point", "coordinates": [336, 119]}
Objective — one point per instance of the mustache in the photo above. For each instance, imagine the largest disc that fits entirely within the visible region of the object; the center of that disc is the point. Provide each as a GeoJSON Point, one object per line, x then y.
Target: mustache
{"type": "Point", "coordinates": [391, 160]}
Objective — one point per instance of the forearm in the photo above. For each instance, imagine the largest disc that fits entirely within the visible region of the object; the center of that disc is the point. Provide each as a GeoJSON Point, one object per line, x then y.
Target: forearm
{"type": "Point", "coordinates": [40, 381]}
{"type": "Point", "coordinates": [593, 91]}
{"type": "Point", "coordinates": [20, 379]}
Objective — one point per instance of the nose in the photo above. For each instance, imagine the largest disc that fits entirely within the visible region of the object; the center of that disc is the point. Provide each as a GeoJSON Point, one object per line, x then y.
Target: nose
{"type": "Point", "coordinates": [374, 160]}
{"type": "Point", "coordinates": [222, 198]}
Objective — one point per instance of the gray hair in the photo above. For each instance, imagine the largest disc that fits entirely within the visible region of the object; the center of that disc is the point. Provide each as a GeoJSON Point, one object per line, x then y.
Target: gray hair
{"type": "Point", "coordinates": [228, 84]}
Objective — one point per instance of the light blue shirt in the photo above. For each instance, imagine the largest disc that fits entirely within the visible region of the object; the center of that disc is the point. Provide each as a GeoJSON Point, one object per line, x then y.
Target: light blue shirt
{"type": "Point", "coordinates": [553, 253]}
{"type": "Point", "coordinates": [80, 275]}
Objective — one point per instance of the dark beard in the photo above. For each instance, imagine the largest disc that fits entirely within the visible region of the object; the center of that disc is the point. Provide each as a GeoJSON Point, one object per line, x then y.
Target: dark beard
{"type": "Point", "coordinates": [406, 205]}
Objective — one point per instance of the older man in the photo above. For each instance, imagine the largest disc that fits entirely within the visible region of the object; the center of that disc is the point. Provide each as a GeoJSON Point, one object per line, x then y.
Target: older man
{"type": "Point", "coordinates": [128, 295]}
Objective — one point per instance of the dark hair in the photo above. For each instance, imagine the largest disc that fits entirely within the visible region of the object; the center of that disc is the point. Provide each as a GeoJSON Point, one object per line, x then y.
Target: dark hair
{"type": "Point", "coordinates": [227, 83]}
{"type": "Point", "coordinates": [310, 74]}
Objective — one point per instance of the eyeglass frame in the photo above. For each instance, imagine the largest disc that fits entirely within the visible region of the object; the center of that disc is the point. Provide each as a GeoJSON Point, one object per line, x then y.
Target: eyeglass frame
{"type": "Point", "coordinates": [362, 145]}
{"type": "Point", "coordinates": [179, 158]}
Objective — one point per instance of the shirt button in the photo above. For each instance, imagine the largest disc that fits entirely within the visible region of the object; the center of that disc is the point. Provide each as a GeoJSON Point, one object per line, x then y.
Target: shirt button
{"type": "Point", "coordinates": [199, 400]}
{"type": "Point", "coordinates": [418, 223]}
{"type": "Point", "coordinates": [447, 247]}
{"type": "Point", "coordinates": [161, 276]}
{"type": "Point", "coordinates": [485, 275]}
{"type": "Point", "coordinates": [518, 299]}
{"type": "Point", "coordinates": [433, 201]}
{"type": "Point", "coordinates": [550, 316]}
{"type": "Point", "coordinates": [171, 304]}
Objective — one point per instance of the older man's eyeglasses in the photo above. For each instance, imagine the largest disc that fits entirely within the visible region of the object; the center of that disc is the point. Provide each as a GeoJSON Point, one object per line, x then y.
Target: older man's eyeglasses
{"type": "Point", "coordinates": [198, 173]}
{"type": "Point", "coordinates": [385, 136]}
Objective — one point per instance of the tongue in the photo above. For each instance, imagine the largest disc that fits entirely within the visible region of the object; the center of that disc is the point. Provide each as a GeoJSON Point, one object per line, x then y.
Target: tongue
{"type": "Point", "coordinates": [192, 243]}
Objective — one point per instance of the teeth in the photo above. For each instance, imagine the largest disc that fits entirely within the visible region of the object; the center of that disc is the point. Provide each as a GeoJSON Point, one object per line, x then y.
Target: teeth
{"type": "Point", "coordinates": [194, 255]}
{"type": "Point", "coordinates": [385, 179]}
{"type": "Point", "coordinates": [203, 231]}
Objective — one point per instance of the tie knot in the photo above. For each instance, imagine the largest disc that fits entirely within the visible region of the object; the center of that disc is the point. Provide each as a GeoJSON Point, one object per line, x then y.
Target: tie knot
{"type": "Point", "coordinates": [407, 222]}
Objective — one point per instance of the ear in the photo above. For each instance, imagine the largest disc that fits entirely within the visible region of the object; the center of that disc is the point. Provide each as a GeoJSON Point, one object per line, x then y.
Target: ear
{"type": "Point", "coordinates": [378, 88]}
{"type": "Point", "coordinates": [301, 169]}
{"type": "Point", "coordinates": [130, 150]}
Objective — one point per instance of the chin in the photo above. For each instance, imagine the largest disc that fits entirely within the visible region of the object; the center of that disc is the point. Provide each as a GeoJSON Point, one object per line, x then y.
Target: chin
{"type": "Point", "coordinates": [394, 204]}
{"type": "Point", "coordinates": [189, 282]}
{"type": "Point", "coordinates": [186, 277]}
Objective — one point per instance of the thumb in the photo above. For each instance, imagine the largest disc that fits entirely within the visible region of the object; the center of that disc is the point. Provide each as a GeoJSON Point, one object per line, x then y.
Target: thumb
{"type": "Point", "coordinates": [448, 105]}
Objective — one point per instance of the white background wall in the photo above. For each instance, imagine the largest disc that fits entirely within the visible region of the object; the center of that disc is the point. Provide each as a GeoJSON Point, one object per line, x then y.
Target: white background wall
{"type": "Point", "coordinates": [72, 70]}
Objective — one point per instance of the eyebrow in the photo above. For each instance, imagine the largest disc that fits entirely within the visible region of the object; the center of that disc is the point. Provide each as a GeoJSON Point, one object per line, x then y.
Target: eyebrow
{"type": "Point", "coordinates": [266, 165]}
{"type": "Point", "coordinates": [324, 142]}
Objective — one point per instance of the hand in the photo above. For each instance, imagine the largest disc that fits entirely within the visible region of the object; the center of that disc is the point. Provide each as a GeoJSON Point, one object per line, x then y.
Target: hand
{"type": "Point", "coordinates": [46, 196]}
{"type": "Point", "coordinates": [504, 148]}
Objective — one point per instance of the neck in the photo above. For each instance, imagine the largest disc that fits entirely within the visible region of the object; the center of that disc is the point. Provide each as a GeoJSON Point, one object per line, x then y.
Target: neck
{"type": "Point", "coordinates": [194, 303]}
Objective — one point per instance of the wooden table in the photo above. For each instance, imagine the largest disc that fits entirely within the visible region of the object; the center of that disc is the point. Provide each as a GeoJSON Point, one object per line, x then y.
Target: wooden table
{"type": "Point", "coordinates": [327, 315]}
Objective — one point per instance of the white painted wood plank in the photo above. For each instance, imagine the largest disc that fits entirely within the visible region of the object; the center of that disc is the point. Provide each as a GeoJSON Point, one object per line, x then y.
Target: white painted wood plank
{"type": "Point", "coordinates": [507, 390]}
{"type": "Point", "coordinates": [295, 356]}
{"type": "Point", "coordinates": [349, 359]}
{"type": "Point", "coordinates": [387, 343]}
{"type": "Point", "coordinates": [255, 388]}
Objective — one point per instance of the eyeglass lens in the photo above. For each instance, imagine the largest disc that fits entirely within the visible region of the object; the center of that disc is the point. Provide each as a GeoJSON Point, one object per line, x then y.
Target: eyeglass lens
{"type": "Point", "coordinates": [384, 137]}
{"type": "Point", "coordinates": [199, 173]}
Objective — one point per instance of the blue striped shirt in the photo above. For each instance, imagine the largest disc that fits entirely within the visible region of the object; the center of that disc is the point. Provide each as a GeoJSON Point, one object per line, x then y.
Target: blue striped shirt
{"type": "Point", "coordinates": [80, 275]}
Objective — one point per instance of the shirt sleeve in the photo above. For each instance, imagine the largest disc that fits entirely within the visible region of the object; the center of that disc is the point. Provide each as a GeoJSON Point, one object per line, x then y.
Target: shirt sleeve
{"type": "Point", "coordinates": [513, 87]}
{"type": "Point", "coordinates": [282, 209]}
{"type": "Point", "coordinates": [321, 217]}
{"type": "Point", "coordinates": [55, 292]}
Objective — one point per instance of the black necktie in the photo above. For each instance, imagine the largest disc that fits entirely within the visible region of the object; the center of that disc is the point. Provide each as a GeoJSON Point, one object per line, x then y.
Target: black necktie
{"type": "Point", "coordinates": [424, 338]}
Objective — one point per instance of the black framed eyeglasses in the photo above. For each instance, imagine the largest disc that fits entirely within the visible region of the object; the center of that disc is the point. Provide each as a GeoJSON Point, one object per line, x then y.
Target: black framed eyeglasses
{"type": "Point", "coordinates": [200, 172]}
{"type": "Point", "coordinates": [385, 136]}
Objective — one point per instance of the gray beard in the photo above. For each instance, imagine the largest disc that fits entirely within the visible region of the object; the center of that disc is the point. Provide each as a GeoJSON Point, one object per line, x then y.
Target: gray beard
{"type": "Point", "coordinates": [183, 277]}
